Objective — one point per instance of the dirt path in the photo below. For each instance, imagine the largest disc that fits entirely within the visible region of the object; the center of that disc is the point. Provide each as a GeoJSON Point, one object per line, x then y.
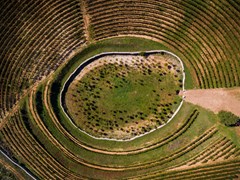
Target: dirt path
{"type": "Point", "coordinates": [215, 99]}
{"type": "Point", "coordinates": [16, 107]}
{"type": "Point", "coordinates": [86, 20]}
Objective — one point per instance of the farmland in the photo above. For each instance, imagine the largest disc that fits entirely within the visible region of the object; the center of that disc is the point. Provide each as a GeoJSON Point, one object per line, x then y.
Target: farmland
{"type": "Point", "coordinates": [119, 89]}
{"type": "Point", "coordinates": [126, 95]}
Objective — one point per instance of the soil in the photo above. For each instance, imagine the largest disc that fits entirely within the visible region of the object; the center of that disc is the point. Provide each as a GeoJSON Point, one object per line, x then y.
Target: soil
{"type": "Point", "coordinates": [215, 99]}
{"type": "Point", "coordinates": [86, 20]}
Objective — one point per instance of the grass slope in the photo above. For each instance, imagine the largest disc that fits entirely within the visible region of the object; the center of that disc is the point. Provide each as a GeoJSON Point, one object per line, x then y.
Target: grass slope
{"type": "Point", "coordinates": [127, 96]}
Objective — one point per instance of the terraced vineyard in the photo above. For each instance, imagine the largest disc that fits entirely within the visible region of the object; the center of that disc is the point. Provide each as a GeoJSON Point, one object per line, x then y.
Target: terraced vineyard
{"type": "Point", "coordinates": [54, 126]}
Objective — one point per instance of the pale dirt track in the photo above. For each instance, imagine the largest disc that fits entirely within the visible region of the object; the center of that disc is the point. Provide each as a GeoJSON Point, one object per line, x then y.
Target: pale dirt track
{"type": "Point", "coordinates": [215, 99]}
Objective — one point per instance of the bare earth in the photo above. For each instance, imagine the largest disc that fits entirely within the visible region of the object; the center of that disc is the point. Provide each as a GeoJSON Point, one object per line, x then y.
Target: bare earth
{"type": "Point", "coordinates": [215, 99]}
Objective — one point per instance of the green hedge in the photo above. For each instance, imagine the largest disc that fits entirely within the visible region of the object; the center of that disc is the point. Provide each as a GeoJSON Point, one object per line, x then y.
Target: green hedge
{"type": "Point", "coordinates": [228, 118]}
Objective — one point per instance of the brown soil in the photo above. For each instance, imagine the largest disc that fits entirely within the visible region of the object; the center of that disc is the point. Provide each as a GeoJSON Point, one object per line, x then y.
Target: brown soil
{"type": "Point", "coordinates": [215, 99]}
{"type": "Point", "coordinates": [86, 20]}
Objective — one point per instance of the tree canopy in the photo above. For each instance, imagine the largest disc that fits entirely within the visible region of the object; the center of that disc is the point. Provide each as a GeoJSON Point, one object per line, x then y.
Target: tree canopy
{"type": "Point", "coordinates": [228, 118]}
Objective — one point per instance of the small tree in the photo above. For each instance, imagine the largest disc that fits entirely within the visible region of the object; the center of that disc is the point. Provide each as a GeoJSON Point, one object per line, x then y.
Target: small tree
{"type": "Point", "coordinates": [142, 53]}
{"type": "Point", "coordinates": [228, 118]}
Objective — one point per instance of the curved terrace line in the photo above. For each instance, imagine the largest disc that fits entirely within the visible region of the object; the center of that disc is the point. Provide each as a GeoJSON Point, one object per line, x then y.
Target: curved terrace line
{"type": "Point", "coordinates": [16, 164]}
{"type": "Point", "coordinates": [93, 58]}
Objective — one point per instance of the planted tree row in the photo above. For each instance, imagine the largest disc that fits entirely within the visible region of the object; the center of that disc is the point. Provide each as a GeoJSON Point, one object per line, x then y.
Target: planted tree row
{"type": "Point", "coordinates": [30, 153]}
{"type": "Point", "coordinates": [36, 38]}
{"type": "Point", "coordinates": [221, 150]}
{"type": "Point", "coordinates": [210, 58]}
{"type": "Point", "coordinates": [187, 123]}
{"type": "Point", "coordinates": [223, 170]}
{"type": "Point", "coordinates": [167, 159]}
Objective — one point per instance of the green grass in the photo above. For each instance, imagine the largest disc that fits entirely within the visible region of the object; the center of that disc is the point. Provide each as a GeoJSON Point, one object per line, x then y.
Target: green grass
{"type": "Point", "coordinates": [126, 44]}
{"type": "Point", "coordinates": [189, 82]}
{"type": "Point", "coordinates": [46, 144]}
{"type": "Point", "coordinates": [134, 144]}
{"type": "Point", "coordinates": [141, 142]}
{"type": "Point", "coordinates": [204, 121]}
{"type": "Point", "coordinates": [124, 160]}
{"type": "Point", "coordinates": [121, 44]}
{"type": "Point", "coordinates": [6, 174]}
{"type": "Point", "coordinates": [108, 159]}
{"type": "Point", "coordinates": [230, 133]}
{"type": "Point", "coordinates": [95, 157]}
{"type": "Point", "coordinates": [122, 101]}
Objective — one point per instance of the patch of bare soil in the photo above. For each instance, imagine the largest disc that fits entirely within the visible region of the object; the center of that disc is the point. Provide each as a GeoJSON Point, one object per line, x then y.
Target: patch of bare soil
{"type": "Point", "coordinates": [215, 99]}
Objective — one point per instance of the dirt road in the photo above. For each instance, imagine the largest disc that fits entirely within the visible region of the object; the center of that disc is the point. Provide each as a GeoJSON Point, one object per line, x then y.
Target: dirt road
{"type": "Point", "coordinates": [215, 99]}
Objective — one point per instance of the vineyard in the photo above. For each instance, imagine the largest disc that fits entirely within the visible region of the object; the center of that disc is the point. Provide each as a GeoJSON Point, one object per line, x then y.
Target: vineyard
{"type": "Point", "coordinates": [82, 97]}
